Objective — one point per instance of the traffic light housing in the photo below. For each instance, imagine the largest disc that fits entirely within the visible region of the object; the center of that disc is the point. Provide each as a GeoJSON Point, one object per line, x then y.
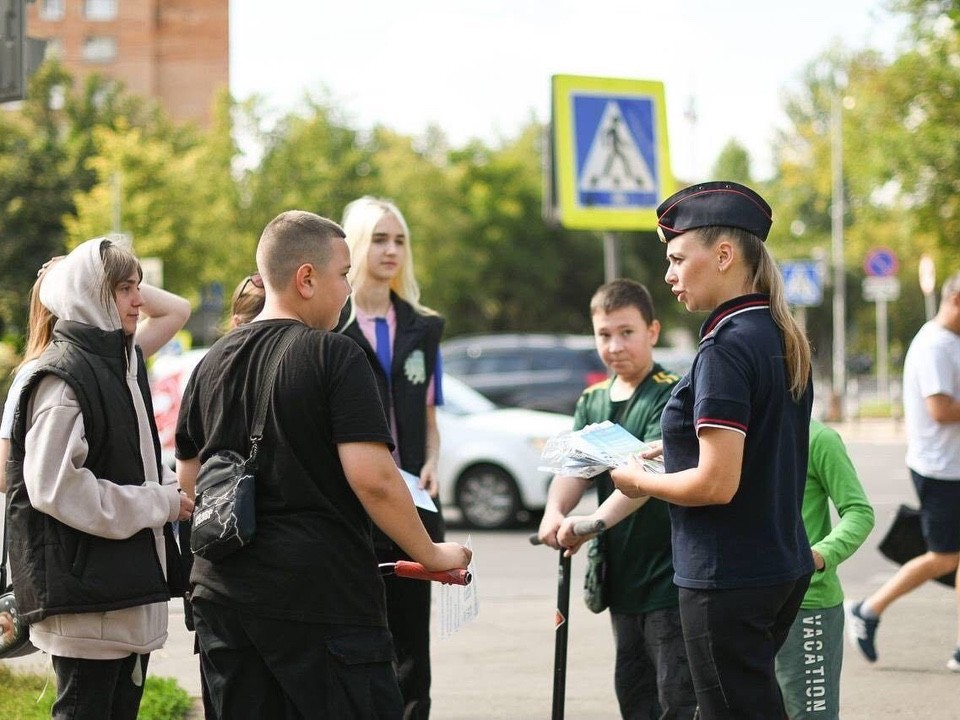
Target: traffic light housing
{"type": "Point", "coordinates": [19, 55]}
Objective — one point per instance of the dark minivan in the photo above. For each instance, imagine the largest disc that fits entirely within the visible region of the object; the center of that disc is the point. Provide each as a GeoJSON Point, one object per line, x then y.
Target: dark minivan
{"type": "Point", "coordinates": [536, 371]}
{"type": "Point", "coordinates": [539, 371]}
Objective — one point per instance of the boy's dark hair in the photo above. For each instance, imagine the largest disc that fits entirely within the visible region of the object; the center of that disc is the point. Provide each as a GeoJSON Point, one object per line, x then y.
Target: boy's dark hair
{"type": "Point", "coordinates": [622, 293]}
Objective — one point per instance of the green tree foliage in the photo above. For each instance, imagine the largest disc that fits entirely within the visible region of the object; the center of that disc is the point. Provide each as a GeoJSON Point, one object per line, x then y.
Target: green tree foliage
{"type": "Point", "coordinates": [175, 196]}
{"type": "Point", "coordinates": [485, 257]}
{"type": "Point", "coordinates": [517, 273]}
{"type": "Point", "coordinates": [901, 166]}
{"type": "Point", "coordinates": [921, 92]}
{"type": "Point", "coordinates": [311, 160]}
{"type": "Point", "coordinates": [35, 192]}
{"type": "Point", "coordinates": [733, 163]}
{"type": "Point", "coordinates": [44, 154]}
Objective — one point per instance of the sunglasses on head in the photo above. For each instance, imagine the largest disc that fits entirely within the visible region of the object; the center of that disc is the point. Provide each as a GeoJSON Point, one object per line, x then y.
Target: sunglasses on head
{"type": "Point", "coordinates": [254, 279]}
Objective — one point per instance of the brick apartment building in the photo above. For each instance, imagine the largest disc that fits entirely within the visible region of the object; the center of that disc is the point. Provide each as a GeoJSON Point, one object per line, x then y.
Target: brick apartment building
{"type": "Point", "coordinates": [175, 51]}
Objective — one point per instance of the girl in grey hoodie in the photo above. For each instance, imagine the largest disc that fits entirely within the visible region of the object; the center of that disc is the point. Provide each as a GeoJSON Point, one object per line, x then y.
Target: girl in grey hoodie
{"type": "Point", "coordinates": [89, 498]}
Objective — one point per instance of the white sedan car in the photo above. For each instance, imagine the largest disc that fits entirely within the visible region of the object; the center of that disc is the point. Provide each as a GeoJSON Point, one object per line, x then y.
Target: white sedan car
{"type": "Point", "coordinates": [488, 455]}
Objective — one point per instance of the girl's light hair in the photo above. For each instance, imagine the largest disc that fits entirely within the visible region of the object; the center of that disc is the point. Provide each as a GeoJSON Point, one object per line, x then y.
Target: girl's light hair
{"type": "Point", "coordinates": [767, 279]}
{"type": "Point", "coordinates": [39, 326]}
{"type": "Point", "coordinates": [359, 220]}
{"type": "Point", "coordinates": [119, 263]}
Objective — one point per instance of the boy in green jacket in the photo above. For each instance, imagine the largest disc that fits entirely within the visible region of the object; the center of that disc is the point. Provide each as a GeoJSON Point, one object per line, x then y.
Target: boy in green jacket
{"type": "Point", "coordinates": [808, 664]}
{"type": "Point", "coordinates": [651, 674]}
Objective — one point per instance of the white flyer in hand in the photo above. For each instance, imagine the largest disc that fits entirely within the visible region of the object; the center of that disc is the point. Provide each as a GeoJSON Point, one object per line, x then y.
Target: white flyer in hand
{"type": "Point", "coordinates": [591, 450]}
{"type": "Point", "coordinates": [459, 604]}
{"type": "Point", "coordinates": [614, 446]}
{"type": "Point", "coordinates": [421, 498]}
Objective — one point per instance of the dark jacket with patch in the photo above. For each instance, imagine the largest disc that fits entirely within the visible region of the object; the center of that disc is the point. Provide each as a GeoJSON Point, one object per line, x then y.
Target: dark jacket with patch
{"type": "Point", "coordinates": [414, 359]}
{"type": "Point", "coordinates": [417, 341]}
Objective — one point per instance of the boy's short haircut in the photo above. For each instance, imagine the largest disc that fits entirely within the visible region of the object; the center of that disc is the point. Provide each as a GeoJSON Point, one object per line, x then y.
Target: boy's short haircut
{"type": "Point", "coordinates": [291, 239]}
{"type": "Point", "coordinates": [623, 293]}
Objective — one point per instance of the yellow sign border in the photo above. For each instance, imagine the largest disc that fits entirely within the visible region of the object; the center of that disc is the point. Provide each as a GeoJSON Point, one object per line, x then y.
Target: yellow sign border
{"type": "Point", "coordinates": [572, 214]}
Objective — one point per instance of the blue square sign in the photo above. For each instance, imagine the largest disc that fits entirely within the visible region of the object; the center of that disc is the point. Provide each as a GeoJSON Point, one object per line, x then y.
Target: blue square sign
{"type": "Point", "coordinates": [803, 284]}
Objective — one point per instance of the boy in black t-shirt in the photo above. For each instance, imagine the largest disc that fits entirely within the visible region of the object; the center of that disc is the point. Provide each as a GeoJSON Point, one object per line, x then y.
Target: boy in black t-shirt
{"type": "Point", "coordinates": [296, 620]}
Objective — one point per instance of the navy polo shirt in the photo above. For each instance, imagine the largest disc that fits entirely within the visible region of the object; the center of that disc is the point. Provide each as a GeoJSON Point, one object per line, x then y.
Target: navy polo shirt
{"type": "Point", "coordinates": [739, 382]}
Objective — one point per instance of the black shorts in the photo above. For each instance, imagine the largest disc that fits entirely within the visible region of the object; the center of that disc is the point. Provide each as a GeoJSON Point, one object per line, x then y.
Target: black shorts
{"type": "Point", "coordinates": [939, 512]}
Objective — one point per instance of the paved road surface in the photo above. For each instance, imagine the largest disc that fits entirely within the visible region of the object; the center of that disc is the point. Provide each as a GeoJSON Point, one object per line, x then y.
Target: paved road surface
{"type": "Point", "coordinates": [500, 667]}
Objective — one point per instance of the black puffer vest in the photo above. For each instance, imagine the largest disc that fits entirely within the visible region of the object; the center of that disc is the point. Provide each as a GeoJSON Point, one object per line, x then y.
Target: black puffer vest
{"type": "Point", "coordinates": [57, 569]}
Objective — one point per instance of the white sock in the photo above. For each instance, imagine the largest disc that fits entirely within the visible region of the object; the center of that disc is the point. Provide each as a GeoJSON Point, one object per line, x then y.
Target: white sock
{"type": "Point", "coordinates": [867, 612]}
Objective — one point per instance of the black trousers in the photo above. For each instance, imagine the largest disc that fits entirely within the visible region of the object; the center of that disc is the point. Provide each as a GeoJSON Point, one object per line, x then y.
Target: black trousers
{"type": "Point", "coordinates": [99, 689]}
{"type": "Point", "coordinates": [651, 674]}
{"type": "Point", "coordinates": [732, 638]}
{"type": "Point", "coordinates": [408, 615]}
{"type": "Point", "coordinates": [258, 668]}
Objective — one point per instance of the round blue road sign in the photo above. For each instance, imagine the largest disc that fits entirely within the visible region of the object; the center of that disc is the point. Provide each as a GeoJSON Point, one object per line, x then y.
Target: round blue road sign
{"type": "Point", "coordinates": [880, 262]}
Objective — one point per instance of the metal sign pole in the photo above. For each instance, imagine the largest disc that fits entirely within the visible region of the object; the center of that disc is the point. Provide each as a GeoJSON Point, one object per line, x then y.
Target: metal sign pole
{"type": "Point", "coordinates": [839, 275]}
{"type": "Point", "coordinates": [928, 282]}
{"type": "Point", "coordinates": [883, 350]}
{"type": "Point", "coordinates": [611, 256]}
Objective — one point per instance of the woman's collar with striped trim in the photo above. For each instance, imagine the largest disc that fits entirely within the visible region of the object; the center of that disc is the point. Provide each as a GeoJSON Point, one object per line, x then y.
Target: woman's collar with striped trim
{"type": "Point", "coordinates": [729, 309]}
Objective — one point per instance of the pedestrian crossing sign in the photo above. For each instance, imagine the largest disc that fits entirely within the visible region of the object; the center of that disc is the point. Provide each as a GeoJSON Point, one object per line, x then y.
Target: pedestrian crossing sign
{"type": "Point", "coordinates": [802, 282]}
{"type": "Point", "coordinates": [611, 156]}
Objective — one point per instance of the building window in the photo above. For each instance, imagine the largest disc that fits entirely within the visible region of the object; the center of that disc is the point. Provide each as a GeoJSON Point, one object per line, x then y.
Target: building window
{"type": "Point", "coordinates": [100, 49]}
{"type": "Point", "coordinates": [100, 9]}
{"type": "Point", "coordinates": [52, 9]}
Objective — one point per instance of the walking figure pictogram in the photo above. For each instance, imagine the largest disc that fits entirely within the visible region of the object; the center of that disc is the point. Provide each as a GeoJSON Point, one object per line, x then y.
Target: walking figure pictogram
{"type": "Point", "coordinates": [611, 139]}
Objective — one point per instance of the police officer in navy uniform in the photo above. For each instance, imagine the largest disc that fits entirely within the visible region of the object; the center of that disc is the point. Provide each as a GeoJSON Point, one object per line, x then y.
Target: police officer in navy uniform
{"type": "Point", "coordinates": [735, 443]}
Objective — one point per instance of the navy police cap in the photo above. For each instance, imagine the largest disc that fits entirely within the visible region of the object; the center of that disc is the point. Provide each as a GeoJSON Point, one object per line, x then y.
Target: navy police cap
{"type": "Point", "coordinates": [718, 203]}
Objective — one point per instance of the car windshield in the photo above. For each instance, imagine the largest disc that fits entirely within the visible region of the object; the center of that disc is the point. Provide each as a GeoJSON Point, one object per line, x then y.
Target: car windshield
{"type": "Point", "coordinates": [462, 400]}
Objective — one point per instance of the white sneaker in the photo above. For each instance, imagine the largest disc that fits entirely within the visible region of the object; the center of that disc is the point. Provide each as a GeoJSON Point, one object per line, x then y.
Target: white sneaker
{"type": "Point", "coordinates": [953, 664]}
{"type": "Point", "coordinates": [861, 631]}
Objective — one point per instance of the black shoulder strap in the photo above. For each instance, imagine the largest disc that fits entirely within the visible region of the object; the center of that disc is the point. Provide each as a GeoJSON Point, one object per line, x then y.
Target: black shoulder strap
{"type": "Point", "coordinates": [3, 557]}
{"type": "Point", "coordinates": [263, 399]}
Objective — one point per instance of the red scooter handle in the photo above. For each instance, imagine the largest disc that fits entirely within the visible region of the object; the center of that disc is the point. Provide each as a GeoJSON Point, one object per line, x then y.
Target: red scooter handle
{"type": "Point", "coordinates": [416, 571]}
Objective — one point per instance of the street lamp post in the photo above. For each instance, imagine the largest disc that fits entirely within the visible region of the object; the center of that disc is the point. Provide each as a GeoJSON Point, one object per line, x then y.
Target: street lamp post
{"type": "Point", "coordinates": [839, 275]}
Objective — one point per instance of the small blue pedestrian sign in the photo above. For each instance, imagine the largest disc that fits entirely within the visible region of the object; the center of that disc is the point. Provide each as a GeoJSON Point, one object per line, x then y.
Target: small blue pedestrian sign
{"type": "Point", "coordinates": [803, 283]}
{"type": "Point", "coordinates": [611, 155]}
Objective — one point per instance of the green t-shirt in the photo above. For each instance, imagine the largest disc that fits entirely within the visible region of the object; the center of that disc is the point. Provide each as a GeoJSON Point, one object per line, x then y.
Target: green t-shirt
{"type": "Point", "coordinates": [831, 477]}
{"type": "Point", "coordinates": [639, 562]}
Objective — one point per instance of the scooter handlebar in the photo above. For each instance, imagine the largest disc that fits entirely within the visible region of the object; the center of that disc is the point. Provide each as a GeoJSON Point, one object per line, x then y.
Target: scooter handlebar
{"type": "Point", "coordinates": [582, 527]}
{"type": "Point", "coordinates": [416, 571]}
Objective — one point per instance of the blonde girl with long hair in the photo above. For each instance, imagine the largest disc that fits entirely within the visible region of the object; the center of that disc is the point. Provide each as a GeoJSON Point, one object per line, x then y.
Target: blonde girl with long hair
{"type": "Point", "coordinates": [401, 338]}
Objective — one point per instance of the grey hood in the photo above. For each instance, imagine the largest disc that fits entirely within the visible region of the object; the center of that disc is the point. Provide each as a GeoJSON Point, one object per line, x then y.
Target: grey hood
{"type": "Point", "coordinates": [71, 288]}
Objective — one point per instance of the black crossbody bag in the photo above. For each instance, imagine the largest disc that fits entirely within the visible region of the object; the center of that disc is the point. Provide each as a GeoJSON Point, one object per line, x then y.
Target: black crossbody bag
{"type": "Point", "coordinates": [224, 518]}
